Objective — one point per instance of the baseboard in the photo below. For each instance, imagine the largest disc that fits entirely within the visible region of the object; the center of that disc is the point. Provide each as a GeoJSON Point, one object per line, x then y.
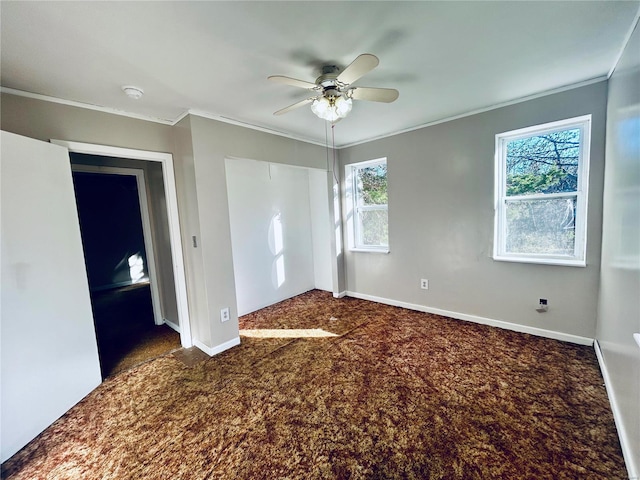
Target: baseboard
{"type": "Point", "coordinates": [627, 453]}
{"type": "Point", "coordinates": [172, 325]}
{"type": "Point", "coordinates": [340, 294]}
{"type": "Point", "coordinates": [211, 351]}
{"type": "Point", "coordinates": [540, 332]}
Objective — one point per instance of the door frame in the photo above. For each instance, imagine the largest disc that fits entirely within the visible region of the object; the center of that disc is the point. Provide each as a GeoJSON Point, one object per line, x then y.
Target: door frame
{"type": "Point", "coordinates": [143, 204]}
{"type": "Point", "coordinates": [168, 178]}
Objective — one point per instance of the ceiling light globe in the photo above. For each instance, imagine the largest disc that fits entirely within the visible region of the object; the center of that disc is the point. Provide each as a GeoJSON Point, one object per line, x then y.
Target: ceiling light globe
{"type": "Point", "coordinates": [331, 115]}
{"type": "Point", "coordinates": [320, 106]}
{"type": "Point", "coordinates": [343, 106]}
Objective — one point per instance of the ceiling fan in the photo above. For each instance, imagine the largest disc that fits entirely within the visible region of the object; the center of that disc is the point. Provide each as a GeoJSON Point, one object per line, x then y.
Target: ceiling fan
{"type": "Point", "coordinates": [333, 91]}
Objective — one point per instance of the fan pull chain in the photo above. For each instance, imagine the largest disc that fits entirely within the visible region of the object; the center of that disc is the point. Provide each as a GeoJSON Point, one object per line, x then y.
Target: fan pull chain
{"type": "Point", "coordinates": [326, 142]}
{"type": "Point", "coordinates": [333, 144]}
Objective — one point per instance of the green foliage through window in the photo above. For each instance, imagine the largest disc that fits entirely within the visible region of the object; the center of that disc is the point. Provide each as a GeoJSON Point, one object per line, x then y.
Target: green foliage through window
{"type": "Point", "coordinates": [372, 185]}
{"type": "Point", "coordinates": [543, 163]}
{"type": "Point", "coordinates": [541, 193]}
{"type": "Point", "coordinates": [369, 184]}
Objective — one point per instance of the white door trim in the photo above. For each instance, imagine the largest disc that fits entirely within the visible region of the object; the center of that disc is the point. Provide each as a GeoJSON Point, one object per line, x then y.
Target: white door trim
{"type": "Point", "coordinates": [166, 159]}
{"type": "Point", "coordinates": [146, 226]}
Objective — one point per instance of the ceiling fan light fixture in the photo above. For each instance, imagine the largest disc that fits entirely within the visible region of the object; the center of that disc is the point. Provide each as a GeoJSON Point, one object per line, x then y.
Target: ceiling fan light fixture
{"type": "Point", "coordinates": [331, 110]}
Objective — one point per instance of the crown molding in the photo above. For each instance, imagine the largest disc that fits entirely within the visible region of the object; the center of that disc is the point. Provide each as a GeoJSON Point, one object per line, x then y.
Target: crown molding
{"type": "Point", "coordinates": [482, 110]}
{"type": "Point", "coordinates": [180, 117]}
{"type": "Point", "coordinates": [231, 121]}
{"type": "Point", "coordinates": [87, 106]}
{"type": "Point", "coordinates": [148, 118]}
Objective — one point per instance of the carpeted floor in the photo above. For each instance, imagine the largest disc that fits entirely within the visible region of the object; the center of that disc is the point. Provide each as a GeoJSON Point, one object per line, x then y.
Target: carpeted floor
{"type": "Point", "coordinates": [154, 342]}
{"type": "Point", "coordinates": [394, 394]}
{"type": "Point", "coordinates": [125, 329]}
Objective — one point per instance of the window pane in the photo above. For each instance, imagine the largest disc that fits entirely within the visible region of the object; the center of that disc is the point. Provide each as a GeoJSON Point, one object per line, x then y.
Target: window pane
{"type": "Point", "coordinates": [372, 185]}
{"type": "Point", "coordinates": [541, 226]}
{"type": "Point", "coordinates": [546, 163]}
{"type": "Point", "coordinates": [373, 228]}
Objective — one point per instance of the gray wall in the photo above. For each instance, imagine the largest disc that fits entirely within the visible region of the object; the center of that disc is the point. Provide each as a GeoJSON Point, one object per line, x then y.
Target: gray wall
{"type": "Point", "coordinates": [619, 309]}
{"type": "Point", "coordinates": [441, 198]}
{"type": "Point", "coordinates": [190, 227]}
{"type": "Point", "coordinates": [47, 120]}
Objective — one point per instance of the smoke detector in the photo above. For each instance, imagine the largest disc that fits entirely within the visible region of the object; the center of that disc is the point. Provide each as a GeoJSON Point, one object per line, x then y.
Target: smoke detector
{"type": "Point", "coordinates": [133, 92]}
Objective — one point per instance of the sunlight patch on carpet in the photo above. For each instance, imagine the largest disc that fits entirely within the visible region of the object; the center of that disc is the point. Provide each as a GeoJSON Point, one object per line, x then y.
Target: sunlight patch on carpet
{"type": "Point", "coordinates": [287, 333]}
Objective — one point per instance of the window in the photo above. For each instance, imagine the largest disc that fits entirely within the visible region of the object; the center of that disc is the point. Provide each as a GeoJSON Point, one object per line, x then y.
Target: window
{"type": "Point", "coordinates": [541, 193]}
{"type": "Point", "coordinates": [366, 191]}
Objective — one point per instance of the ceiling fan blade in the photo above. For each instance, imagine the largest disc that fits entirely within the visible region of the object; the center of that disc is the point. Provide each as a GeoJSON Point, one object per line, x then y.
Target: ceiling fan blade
{"type": "Point", "coordinates": [292, 81]}
{"type": "Point", "coordinates": [356, 69]}
{"type": "Point", "coordinates": [295, 105]}
{"type": "Point", "coordinates": [386, 95]}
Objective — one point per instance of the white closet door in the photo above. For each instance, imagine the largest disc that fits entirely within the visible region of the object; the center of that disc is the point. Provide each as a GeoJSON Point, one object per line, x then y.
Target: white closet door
{"type": "Point", "coordinates": [49, 355]}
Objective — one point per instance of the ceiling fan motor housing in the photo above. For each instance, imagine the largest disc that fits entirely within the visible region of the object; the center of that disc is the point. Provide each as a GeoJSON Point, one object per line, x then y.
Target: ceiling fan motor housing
{"type": "Point", "coordinates": [331, 93]}
{"type": "Point", "coordinates": [328, 79]}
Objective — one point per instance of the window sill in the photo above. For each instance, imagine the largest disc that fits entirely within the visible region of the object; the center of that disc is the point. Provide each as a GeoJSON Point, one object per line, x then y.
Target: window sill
{"type": "Point", "coordinates": [370, 250]}
{"type": "Point", "coordinates": [542, 261]}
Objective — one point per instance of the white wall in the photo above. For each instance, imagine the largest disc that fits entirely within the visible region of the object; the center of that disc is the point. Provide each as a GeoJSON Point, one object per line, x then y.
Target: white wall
{"type": "Point", "coordinates": [619, 308]}
{"type": "Point", "coordinates": [49, 353]}
{"type": "Point", "coordinates": [271, 231]}
{"type": "Point", "coordinates": [441, 211]}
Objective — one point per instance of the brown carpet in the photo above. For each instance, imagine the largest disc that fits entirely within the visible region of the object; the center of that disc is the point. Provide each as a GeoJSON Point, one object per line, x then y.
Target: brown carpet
{"type": "Point", "coordinates": [396, 394]}
{"type": "Point", "coordinates": [125, 329]}
{"type": "Point", "coordinates": [152, 343]}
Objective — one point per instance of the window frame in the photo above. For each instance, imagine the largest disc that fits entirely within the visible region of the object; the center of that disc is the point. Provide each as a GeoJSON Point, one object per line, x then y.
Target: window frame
{"type": "Point", "coordinates": [353, 209]}
{"type": "Point", "coordinates": [578, 259]}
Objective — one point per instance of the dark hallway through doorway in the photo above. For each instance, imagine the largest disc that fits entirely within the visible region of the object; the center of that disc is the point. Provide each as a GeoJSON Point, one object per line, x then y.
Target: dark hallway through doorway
{"type": "Point", "coordinates": [128, 330]}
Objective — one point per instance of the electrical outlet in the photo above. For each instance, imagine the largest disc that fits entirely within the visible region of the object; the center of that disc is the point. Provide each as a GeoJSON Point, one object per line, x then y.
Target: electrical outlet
{"type": "Point", "coordinates": [424, 284]}
{"type": "Point", "coordinates": [224, 314]}
{"type": "Point", "coordinates": [543, 306]}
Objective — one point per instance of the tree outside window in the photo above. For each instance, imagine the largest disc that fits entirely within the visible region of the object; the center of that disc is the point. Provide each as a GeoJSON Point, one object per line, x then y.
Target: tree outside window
{"type": "Point", "coordinates": [541, 193]}
{"type": "Point", "coordinates": [367, 204]}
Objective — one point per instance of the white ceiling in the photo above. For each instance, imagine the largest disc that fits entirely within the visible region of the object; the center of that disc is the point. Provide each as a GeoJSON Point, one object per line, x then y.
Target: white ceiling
{"type": "Point", "coordinates": [213, 58]}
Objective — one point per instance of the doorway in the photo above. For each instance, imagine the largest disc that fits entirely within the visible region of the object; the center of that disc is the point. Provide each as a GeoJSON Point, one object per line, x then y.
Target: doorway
{"type": "Point", "coordinates": [121, 267]}
{"type": "Point", "coordinates": [170, 210]}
